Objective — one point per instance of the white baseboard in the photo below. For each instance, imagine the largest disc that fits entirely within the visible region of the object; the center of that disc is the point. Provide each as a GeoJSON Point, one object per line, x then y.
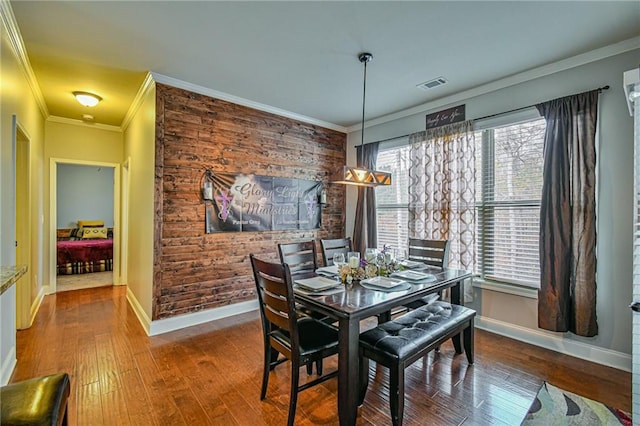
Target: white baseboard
{"type": "Point", "coordinates": [35, 306]}
{"type": "Point", "coordinates": [153, 328]}
{"type": "Point", "coordinates": [188, 320]}
{"type": "Point", "coordinates": [555, 342]}
{"type": "Point", "coordinates": [145, 321]}
{"type": "Point", "coordinates": [8, 364]}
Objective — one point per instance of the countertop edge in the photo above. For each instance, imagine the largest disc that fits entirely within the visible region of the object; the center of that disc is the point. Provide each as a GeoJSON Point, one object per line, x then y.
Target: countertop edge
{"type": "Point", "coordinates": [9, 275]}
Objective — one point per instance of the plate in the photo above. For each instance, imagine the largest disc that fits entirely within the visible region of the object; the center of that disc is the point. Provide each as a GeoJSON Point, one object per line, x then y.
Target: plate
{"type": "Point", "coordinates": [317, 283]}
{"type": "Point", "coordinates": [327, 292]}
{"type": "Point", "coordinates": [383, 282]}
{"type": "Point", "coordinates": [401, 287]}
{"type": "Point", "coordinates": [414, 275]}
{"type": "Point", "coordinates": [328, 270]}
{"type": "Point", "coordinates": [411, 264]}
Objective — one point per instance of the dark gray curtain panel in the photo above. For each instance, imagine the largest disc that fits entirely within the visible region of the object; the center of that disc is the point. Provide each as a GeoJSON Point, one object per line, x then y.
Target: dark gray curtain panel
{"type": "Point", "coordinates": [365, 231]}
{"type": "Point", "coordinates": [567, 295]}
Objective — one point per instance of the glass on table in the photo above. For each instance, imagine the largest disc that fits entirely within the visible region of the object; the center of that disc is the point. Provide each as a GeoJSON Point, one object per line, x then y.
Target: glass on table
{"type": "Point", "coordinates": [339, 260]}
{"type": "Point", "coordinates": [389, 256]}
{"type": "Point", "coordinates": [401, 254]}
{"type": "Point", "coordinates": [370, 255]}
{"type": "Point", "coordinates": [353, 259]}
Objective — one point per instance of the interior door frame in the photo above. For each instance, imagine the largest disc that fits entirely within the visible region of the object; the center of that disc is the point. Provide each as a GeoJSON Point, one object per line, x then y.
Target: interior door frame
{"type": "Point", "coordinates": [26, 298]}
{"type": "Point", "coordinates": [53, 213]}
{"type": "Point", "coordinates": [124, 225]}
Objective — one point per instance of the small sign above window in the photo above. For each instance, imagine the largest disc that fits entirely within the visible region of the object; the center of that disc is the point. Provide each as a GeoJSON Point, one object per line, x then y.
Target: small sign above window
{"type": "Point", "coordinates": [447, 116]}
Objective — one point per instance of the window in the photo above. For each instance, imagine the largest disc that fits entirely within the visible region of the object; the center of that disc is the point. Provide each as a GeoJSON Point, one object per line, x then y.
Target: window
{"type": "Point", "coordinates": [508, 188]}
{"type": "Point", "coordinates": [392, 201]}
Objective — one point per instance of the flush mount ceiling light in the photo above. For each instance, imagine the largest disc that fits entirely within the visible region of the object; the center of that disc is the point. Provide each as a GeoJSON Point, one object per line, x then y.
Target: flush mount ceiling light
{"type": "Point", "coordinates": [360, 175]}
{"type": "Point", "coordinates": [87, 99]}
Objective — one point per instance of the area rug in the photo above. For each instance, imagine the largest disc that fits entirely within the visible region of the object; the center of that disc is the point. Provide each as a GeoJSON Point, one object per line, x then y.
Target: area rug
{"type": "Point", "coordinates": [555, 406]}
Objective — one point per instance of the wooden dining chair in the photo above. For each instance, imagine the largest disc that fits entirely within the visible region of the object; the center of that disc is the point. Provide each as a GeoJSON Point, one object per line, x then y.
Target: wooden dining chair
{"type": "Point", "coordinates": [300, 339]}
{"type": "Point", "coordinates": [330, 247]}
{"type": "Point", "coordinates": [301, 256]}
{"type": "Point", "coordinates": [302, 260]}
{"type": "Point", "coordinates": [432, 253]}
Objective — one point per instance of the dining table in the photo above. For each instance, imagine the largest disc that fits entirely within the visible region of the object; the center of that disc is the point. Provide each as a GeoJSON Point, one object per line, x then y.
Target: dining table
{"type": "Point", "coordinates": [358, 302]}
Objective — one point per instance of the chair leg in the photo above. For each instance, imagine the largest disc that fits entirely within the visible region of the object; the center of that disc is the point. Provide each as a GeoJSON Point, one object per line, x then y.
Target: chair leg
{"type": "Point", "coordinates": [319, 367]}
{"type": "Point", "coordinates": [293, 398]}
{"type": "Point", "coordinates": [309, 368]}
{"type": "Point", "coordinates": [468, 342]}
{"type": "Point", "coordinates": [273, 359]}
{"type": "Point", "coordinates": [396, 393]}
{"type": "Point", "coordinates": [270, 355]}
{"type": "Point", "coordinates": [384, 317]}
{"type": "Point", "coordinates": [363, 379]}
{"type": "Point", "coordinates": [457, 344]}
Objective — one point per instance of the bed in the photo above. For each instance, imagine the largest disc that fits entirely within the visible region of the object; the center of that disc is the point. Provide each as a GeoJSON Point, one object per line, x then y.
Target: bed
{"type": "Point", "coordinates": [85, 249]}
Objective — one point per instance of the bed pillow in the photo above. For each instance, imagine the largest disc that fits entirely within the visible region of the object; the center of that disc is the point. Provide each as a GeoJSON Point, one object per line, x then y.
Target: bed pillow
{"type": "Point", "coordinates": [94, 233]}
{"type": "Point", "coordinates": [90, 223]}
{"type": "Point", "coordinates": [75, 234]}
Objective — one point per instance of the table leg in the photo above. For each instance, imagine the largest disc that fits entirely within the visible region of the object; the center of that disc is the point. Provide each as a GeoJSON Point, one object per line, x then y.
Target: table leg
{"type": "Point", "coordinates": [348, 389]}
{"type": "Point", "coordinates": [457, 298]}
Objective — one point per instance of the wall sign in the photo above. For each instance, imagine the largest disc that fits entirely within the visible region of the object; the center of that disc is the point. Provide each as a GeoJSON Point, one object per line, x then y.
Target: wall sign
{"type": "Point", "coordinates": [262, 203]}
{"type": "Point", "coordinates": [447, 116]}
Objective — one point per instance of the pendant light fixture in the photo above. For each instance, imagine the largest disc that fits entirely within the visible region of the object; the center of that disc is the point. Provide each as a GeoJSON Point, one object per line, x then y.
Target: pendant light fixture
{"type": "Point", "coordinates": [361, 175]}
{"type": "Point", "coordinates": [87, 99]}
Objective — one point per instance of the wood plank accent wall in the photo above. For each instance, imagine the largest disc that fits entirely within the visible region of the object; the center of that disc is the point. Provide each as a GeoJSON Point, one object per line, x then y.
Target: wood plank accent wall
{"type": "Point", "coordinates": [194, 271]}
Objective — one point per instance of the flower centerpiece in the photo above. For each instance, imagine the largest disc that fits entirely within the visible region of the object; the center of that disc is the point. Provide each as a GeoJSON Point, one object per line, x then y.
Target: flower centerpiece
{"type": "Point", "coordinates": [383, 264]}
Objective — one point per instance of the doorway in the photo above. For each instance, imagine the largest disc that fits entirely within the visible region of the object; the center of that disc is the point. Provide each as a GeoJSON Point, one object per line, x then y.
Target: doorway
{"type": "Point", "coordinates": [75, 196]}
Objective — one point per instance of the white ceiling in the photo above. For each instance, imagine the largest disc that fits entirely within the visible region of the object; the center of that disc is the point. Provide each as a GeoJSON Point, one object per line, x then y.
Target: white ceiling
{"type": "Point", "coordinates": [301, 56]}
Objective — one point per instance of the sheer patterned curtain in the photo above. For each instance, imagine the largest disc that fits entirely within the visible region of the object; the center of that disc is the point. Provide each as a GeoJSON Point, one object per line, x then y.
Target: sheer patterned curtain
{"type": "Point", "coordinates": [442, 190]}
{"type": "Point", "coordinates": [365, 232]}
{"type": "Point", "coordinates": [567, 295]}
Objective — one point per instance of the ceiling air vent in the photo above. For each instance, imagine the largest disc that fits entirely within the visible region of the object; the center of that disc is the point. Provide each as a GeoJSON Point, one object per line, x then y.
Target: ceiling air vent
{"type": "Point", "coordinates": [432, 84]}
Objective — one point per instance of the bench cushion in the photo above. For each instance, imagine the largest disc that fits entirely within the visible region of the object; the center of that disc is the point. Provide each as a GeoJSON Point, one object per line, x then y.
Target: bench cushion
{"type": "Point", "coordinates": [40, 401]}
{"type": "Point", "coordinates": [410, 333]}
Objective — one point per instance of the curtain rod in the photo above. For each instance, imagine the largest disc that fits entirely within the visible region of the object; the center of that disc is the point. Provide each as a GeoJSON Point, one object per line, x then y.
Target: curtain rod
{"type": "Point", "coordinates": [599, 89]}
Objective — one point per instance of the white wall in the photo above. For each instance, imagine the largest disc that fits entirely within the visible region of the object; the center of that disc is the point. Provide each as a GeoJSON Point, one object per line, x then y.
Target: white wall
{"type": "Point", "coordinates": [84, 193]}
{"type": "Point", "coordinates": [75, 142]}
{"type": "Point", "coordinates": [614, 211]}
{"type": "Point", "coordinates": [139, 148]}
{"type": "Point", "coordinates": [17, 99]}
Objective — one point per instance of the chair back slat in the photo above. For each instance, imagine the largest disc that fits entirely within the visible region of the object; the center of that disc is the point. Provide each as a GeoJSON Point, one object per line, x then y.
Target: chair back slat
{"type": "Point", "coordinates": [330, 247]}
{"type": "Point", "coordinates": [430, 252]}
{"type": "Point", "coordinates": [301, 257]}
{"type": "Point", "coordinates": [276, 318]}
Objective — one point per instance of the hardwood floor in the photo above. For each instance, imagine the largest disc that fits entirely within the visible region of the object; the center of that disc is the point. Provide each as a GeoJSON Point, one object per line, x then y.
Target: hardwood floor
{"type": "Point", "coordinates": [211, 373]}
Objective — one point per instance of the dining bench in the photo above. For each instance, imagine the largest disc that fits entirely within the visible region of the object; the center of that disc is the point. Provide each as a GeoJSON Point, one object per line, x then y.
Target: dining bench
{"type": "Point", "coordinates": [400, 342]}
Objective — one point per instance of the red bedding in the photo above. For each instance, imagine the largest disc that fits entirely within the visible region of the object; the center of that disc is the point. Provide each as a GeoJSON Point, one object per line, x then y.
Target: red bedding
{"type": "Point", "coordinates": [88, 253]}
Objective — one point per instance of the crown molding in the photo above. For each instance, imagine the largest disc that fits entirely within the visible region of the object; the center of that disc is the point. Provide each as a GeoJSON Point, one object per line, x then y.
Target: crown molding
{"type": "Point", "coordinates": [75, 122]}
{"type": "Point", "coordinates": [20, 52]}
{"type": "Point", "coordinates": [244, 102]}
{"type": "Point", "coordinates": [532, 74]}
{"type": "Point", "coordinates": [147, 85]}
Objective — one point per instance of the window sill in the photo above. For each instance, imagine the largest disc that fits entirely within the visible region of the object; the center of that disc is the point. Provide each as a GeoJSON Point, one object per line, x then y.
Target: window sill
{"type": "Point", "coordinates": [531, 293]}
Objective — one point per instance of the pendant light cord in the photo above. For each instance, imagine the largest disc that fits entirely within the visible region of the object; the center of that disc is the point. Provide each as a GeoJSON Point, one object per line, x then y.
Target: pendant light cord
{"type": "Point", "coordinates": [364, 94]}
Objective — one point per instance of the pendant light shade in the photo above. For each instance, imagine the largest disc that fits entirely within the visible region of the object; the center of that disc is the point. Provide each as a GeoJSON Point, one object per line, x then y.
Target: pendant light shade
{"type": "Point", "coordinates": [360, 175]}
